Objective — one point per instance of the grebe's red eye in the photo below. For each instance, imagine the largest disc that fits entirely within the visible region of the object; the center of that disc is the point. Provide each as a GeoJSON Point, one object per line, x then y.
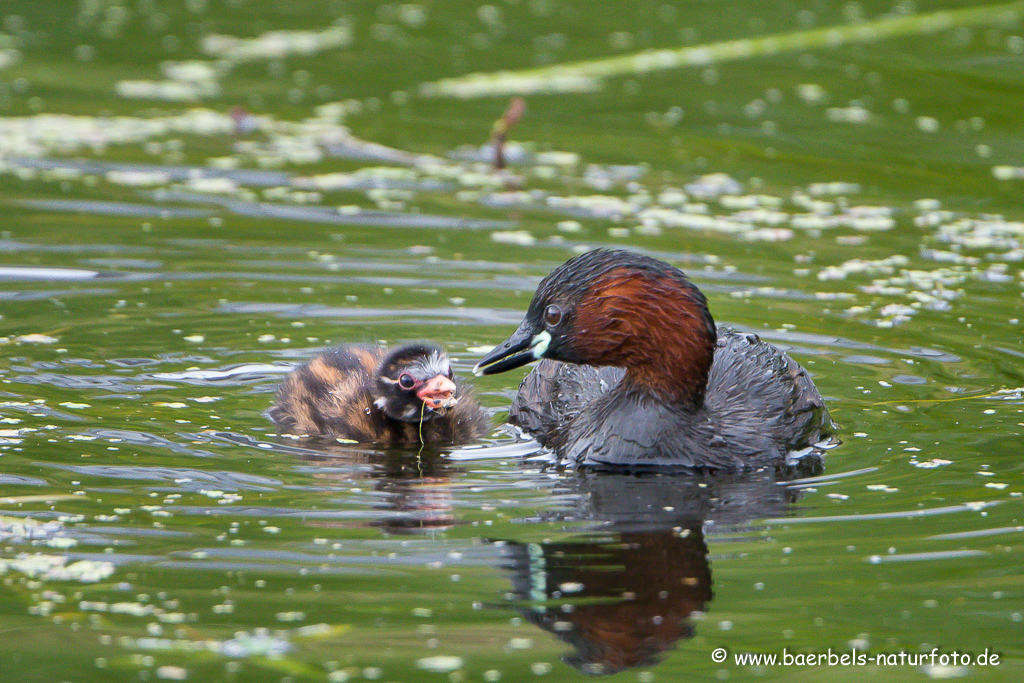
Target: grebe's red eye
{"type": "Point", "coordinates": [406, 381]}
{"type": "Point", "coordinates": [552, 316]}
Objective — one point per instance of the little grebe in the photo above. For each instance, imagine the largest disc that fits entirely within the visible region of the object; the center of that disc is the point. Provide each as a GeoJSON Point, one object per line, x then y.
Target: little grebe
{"type": "Point", "coordinates": [652, 382]}
{"type": "Point", "coordinates": [369, 394]}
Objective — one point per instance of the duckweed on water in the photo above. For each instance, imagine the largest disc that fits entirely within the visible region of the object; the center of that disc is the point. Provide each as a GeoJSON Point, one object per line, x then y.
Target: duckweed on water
{"type": "Point", "coordinates": [196, 203]}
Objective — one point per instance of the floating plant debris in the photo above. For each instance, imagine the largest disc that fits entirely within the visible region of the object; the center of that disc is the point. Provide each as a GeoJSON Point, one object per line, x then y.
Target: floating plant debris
{"type": "Point", "coordinates": [57, 568]}
{"type": "Point", "coordinates": [261, 187]}
{"type": "Point", "coordinates": [587, 76]}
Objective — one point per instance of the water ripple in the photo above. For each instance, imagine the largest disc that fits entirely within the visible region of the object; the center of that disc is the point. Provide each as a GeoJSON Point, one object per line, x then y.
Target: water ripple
{"type": "Point", "coordinates": [187, 479]}
{"type": "Point", "coordinates": [480, 316]}
{"type": "Point", "coordinates": [143, 439]}
{"type": "Point", "coordinates": [901, 514]}
{"type": "Point", "coordinates": [256, 178]}
{"type": "Point", "coordinates": [919, 557]}
{"type": "Point", "coordinates": [103, 208]}
{"type": "Point", "coordinates": [320, 214]}
{"type": "Point", "coordinates": [232, 375]}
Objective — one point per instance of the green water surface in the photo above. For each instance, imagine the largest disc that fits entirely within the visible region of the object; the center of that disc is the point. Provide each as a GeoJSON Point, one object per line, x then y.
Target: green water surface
{"type": "Point", "coordinates": [863, 212]}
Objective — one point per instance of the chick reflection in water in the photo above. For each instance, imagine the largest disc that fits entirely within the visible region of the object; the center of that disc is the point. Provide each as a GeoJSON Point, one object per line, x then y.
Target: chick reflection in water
{"type": "Point", "coordinates": [623, 594]}
{"type": "Point", "coordinates": [411, 495]}
{"type": "Point", "coordinates": [406, 396]}
{"type": "Point", "coordinates": [415, 496]}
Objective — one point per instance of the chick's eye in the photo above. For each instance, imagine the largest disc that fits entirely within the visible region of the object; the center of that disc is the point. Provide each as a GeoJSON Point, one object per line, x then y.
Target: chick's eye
{"type": "Point", "coordinates": [406, 381]}
{"type": "Point", "coordinates": [552, 316]}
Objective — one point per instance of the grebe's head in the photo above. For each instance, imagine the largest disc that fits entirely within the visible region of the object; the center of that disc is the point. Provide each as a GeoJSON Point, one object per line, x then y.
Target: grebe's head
{"type": "Point", "coordinates": [618, 308]}
{"type": "Point", "coordinates": [415, 381]}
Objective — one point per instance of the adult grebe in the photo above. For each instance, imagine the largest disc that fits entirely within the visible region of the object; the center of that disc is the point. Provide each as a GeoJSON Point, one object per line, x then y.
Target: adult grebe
{"type": "Point", "coordinates": [646, 379]}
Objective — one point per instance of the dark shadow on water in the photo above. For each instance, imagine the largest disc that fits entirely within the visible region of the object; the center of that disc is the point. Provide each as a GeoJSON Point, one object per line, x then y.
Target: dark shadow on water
{"type": "Point", "coordinates": [619, 602]}
{"type": "Point", "coordinates": [621, 591]}
{"type": "Point", "coordinates": [623, 594]}
{"type": "Point", "coordinates": [624, 591]}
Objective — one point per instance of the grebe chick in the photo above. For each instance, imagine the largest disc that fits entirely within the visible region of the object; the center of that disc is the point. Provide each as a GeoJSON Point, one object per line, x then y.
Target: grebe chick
{"type": "Point", "coordinates": [370, 394]}
{"type": "Point", "coordinates": [646, 379]}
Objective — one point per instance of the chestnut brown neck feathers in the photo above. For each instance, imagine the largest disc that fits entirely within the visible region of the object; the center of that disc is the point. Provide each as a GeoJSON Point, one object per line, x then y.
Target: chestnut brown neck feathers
{"type": "Point", "coordinates": [657, 329]}
{"type": "Point", "coordinates": [635, 312]}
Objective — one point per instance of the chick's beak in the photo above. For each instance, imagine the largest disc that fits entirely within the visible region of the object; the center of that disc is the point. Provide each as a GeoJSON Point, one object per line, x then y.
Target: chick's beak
{"type": "Point", "coordinates": [521, 348]}
{"type": "Point", "coordinates": [437, 392]}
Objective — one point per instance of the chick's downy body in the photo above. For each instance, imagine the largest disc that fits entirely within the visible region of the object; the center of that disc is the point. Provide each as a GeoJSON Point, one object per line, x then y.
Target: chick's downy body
{"type": "Point", "coordinates": [370, 394]}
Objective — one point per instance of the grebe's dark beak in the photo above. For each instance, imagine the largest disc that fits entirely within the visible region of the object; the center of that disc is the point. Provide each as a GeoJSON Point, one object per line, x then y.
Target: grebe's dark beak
{"type": "Point", "coordinates": [521, 348]}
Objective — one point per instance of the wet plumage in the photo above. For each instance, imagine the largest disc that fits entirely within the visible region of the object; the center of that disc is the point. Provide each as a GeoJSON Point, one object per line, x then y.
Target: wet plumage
{"type": "Point", "coordinates": [646, 377]}
{"type": "Point", "coordinates": [371, 394]}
